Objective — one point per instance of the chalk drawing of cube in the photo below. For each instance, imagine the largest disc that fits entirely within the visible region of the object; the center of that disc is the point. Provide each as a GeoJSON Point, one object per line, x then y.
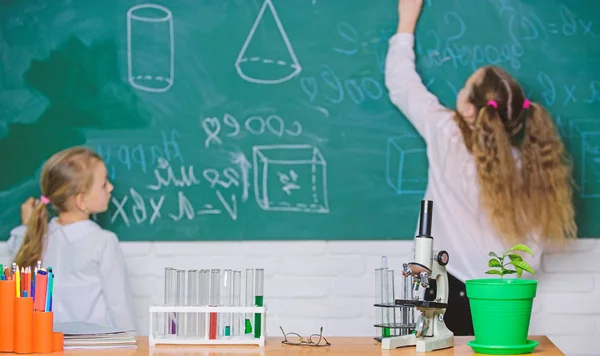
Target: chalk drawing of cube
{"type": "Point", "coordinates": [406, 164]}
{"type": "Point", "coordinates": [584, 148]}
{"type": "Point", "coordinates": [290, 178]}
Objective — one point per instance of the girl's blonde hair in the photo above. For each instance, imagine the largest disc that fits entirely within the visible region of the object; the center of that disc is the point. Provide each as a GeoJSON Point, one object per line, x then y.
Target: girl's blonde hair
{"type": "Point", "coordinates": [530, 194]}
{"type": "Point", "coordinates": [64, 175]}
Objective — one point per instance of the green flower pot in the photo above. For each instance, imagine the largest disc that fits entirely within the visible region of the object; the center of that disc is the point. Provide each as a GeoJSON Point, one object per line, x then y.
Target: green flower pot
{"type": "Point", "coordinates": [501, 312]}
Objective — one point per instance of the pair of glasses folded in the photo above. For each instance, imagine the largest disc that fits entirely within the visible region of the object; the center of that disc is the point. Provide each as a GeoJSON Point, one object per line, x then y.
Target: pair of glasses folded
{"type": "Point", "coordinates": [298, 340]}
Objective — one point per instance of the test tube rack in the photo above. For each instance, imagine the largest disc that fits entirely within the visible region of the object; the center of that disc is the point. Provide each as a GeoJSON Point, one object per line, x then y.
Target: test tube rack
{"type": "Point", "coordinates": [392, 319]}
{"type": "Point", "coordinates": [158, 312]}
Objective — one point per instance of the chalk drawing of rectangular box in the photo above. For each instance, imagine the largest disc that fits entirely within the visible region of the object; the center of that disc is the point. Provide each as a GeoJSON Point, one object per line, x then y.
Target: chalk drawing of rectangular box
{"type": "Point", "coordinates": [290, 178]}
{"type": "Point", "coordinates": [585, 149]}
{"type": "Point", "coordinates": [406, 164]}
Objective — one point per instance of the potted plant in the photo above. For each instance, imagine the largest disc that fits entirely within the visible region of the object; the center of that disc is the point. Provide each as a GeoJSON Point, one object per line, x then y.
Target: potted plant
{"type": "Point", "coordinates": [501, 307]}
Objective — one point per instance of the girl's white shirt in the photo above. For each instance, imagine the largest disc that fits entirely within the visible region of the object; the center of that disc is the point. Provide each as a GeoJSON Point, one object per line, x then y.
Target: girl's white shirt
{"type": "Point", "coordinates": [460, 224]}
{"type": "Point", "coordinates": [90, 276]}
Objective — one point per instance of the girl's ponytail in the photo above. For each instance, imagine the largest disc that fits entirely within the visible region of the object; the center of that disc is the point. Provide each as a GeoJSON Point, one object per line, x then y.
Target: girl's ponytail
{"type": "Point", "coordinates": [497, 173]}
{"type": "Point", "coordinates": [33, 243]}
{"type": "Point", "coordinates": [547, 179]}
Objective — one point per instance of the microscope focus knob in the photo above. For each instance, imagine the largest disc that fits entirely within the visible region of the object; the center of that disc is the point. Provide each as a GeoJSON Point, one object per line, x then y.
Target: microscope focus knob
{"type": "Point", "coordinates": [442, 258]}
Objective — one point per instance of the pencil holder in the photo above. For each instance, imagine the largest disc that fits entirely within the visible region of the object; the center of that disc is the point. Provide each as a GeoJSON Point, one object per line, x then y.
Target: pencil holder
{"type": "Point", "coordinates": [42, 332]}
{"type": "Point", "coordinates": [58, 342]}
{"type": "Point", "coordinates": [23, 325]}
{"type": "Point", "coordinates": [8, 294]}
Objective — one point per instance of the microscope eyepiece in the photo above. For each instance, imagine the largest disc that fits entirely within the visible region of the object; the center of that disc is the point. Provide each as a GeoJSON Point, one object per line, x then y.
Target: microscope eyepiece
{"type": "Point", "coordinates": [425, 218]}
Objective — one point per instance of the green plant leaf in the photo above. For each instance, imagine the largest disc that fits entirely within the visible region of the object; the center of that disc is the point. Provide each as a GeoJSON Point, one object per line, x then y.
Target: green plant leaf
{"type": "Point", "coordinates": [515, 257]}
{"type": "Point", "coordinates": [521, 247]}
{"type": "Point", "coordinates": [494, 271]}
{"type": "Point", "coordinates": [523, 265]}
{"type": "Point", "coordinates": [494, 263]}
{"type": "Point", "coordinates": [519, 272]}
{"type": "Point", "coordinates": [508, 271]}
{"type": "Point", "coordinates": [493, 255]}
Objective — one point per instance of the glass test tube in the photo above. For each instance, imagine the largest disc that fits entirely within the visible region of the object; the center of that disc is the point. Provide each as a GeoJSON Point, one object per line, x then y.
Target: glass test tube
{"type": "Point", "coordinates": [226, 292]}
{"type": "Point", "coordinates": [237, 291]}
{"type": "Point", "coordinates": [170, 299]}
{"type": "Point", "coordinates": [407, 311]}
{"type": "Point", "coordinates": [215, 288]}
{"type": "Point", "coordinates": [258, 299]}
{"type": "Point", "coordinates": [385, 291]}
{"type": "Point", "coordinates": [192, 300]}
{"type": "Point", "coordinates": [378, 300]}
{"type": "Point", "coordinates": [249, 300]}
{"type": "Point", "coordinates": [181, 291]}
{"type": "Point", "coordinates": [203, 300]}
{"type": "Point", "coordinates": [392, 298]}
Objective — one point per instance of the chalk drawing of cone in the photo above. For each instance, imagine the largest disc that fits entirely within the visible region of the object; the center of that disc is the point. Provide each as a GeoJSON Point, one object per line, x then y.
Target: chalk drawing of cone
{"type": "Point", "coordinates": [267, 56]}
{"type": "Point", "coordinates": [150, 48]}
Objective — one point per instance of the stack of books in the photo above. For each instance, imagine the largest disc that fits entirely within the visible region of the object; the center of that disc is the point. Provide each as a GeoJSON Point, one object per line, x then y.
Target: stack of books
{"type": "Point", "coordinates": [80, 335]}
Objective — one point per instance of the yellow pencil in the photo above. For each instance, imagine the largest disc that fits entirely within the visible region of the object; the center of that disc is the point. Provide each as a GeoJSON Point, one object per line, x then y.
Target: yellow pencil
{"type": "Point", "coordinates": [18, 282]}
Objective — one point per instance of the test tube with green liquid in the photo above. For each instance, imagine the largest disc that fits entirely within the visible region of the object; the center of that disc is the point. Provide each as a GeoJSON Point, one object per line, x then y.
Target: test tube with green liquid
{"type": "Point", "coordinates": [249, 300]}
{"type": "Point", "coordinates": [258, 300]}
{"type": "Point", "coordinates": [226, 292]}
{"type": "Point", "coordinates": [385, 291]}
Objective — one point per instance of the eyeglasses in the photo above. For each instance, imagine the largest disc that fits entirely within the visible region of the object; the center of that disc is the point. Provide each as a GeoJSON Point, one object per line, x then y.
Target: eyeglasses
{"type": "Point", "coordinates": [296, 339]}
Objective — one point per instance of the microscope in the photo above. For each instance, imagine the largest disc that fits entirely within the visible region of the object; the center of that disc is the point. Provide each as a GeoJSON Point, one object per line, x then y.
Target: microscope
{"type": "Point", "coordinates": [430, 331]}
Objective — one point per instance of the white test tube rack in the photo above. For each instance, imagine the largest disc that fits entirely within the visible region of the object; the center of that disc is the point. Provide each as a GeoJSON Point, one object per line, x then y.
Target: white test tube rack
{"type": "Point", "coordinates": [245, 339]}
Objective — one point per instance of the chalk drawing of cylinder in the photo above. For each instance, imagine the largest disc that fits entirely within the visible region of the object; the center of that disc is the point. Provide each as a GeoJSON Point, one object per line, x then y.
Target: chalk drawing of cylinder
{"type": "Point", "coordinates": [150, 48]}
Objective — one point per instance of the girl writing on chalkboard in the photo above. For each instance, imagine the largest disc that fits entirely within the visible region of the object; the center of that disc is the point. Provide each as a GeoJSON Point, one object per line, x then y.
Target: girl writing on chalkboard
{"type": "Point", "coordinates": [498, 172]}
{"type": "Point", "coordinates": [90, 282]}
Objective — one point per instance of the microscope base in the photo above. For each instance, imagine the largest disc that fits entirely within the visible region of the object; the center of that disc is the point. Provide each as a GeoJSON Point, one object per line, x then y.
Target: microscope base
{"type": "Point", "coordinates": [442, 338]}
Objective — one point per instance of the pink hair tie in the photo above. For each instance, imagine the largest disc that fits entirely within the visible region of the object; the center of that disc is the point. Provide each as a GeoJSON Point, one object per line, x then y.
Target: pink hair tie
{"type": "Point", "coordinates": [493, 103]}
{"type": "Point", "coordinates": [526, 104]}
{"type": "Point", "coordinates": [44, 200]}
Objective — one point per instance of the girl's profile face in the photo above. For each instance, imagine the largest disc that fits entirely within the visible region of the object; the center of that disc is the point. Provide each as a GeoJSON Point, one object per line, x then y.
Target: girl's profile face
{"type": "Point", "coordinates": [98, 197]}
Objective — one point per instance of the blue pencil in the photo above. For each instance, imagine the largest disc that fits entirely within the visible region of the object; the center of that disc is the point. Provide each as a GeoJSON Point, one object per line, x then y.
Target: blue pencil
{"type": "Point", "coordinates": [49, 290]}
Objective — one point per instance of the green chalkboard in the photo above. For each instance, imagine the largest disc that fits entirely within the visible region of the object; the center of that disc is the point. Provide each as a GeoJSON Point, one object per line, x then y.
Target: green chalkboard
{"type": "Point", "coordinates": [269, 119]}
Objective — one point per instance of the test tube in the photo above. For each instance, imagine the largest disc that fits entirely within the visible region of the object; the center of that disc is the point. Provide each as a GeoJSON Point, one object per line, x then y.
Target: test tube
{"type": "Point", "coordinates": [181, 294]}
{"type": "Point", "coordinates": [385, 291]}
{"type": "Point", "coordinates": [215, 288]}
{"type": "Point", "coordinates": [237, 289]}
{"type": "Point", "coordinates": [226, 292]}
{"type": "Point", "coordinates": [192, 300]}
{"type": "Point", "coordinates": [249, 300]}
{"type": "Point", "coordinates": [392, 298]}
{"type": "Point", "coordinates": [378, 300]}
{"type": "Point", "coordinates": [170, 299]}
{"type": "Point", "coordinates": [406, 309]}
{"type": "Point", "coordinates": [258, 299]}
{"type": "Point", "coordinates": [204, 300]}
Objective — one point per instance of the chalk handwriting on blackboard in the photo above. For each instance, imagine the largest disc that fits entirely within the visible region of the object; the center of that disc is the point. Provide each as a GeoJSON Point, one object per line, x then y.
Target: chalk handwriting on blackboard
{"type": "Point", "coordinates": [256, 125]}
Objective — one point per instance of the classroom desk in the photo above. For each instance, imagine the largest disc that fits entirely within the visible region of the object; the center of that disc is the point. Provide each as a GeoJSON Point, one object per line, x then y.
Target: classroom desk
{"type": "Point", "coordinates": [347, 346]}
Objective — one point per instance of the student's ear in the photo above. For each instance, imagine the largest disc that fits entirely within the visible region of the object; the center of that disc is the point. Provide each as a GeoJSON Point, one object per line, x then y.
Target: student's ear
{"type": "Point", "coordinates": [80, 202]}
{"type": "Point", "coordinates": [469, 113]}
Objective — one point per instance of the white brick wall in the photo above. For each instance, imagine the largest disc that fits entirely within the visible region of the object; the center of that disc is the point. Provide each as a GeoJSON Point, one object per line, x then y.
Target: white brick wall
{"type": "Point", "coordinates": [331, 284]}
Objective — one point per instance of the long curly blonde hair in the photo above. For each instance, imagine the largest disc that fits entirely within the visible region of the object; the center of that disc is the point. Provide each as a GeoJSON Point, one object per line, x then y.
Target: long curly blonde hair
{"type": "Point", "coordinates": [527, 195]}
